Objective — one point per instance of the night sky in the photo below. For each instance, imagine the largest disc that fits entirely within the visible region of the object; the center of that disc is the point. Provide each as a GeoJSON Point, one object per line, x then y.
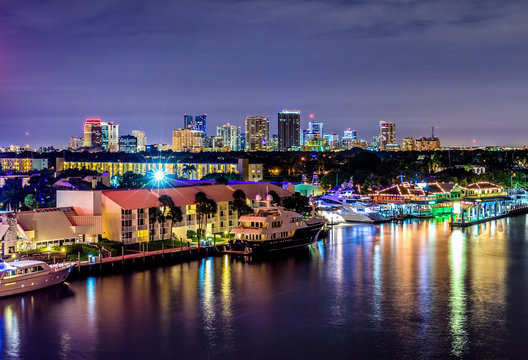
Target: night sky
{"type": "Point", "coordinates": [461, 66]}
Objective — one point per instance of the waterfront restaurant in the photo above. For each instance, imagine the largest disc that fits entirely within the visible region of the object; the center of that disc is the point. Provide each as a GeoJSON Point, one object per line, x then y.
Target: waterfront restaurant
{"type": "Point", "coordinates": [126, 213]}
{"type": "Point", "coordinates": [479, 201]}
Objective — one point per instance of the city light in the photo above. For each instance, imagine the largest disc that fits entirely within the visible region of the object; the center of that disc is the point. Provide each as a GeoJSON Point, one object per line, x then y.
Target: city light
{"type": "Point", "coordinates": [159, 175]}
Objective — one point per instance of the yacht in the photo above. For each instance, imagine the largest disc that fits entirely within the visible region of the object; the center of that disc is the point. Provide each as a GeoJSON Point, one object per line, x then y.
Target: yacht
{"type": "Point", "coordinates": [19, 277]}
{"type": "Point", "coordinates": [272, 228]}
{"type": "Point", "coordinates": [339, 210]}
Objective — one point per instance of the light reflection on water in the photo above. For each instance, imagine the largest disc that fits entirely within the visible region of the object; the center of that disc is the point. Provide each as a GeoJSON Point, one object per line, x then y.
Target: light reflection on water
{"type": "Point", "coordinates": [416, 289]}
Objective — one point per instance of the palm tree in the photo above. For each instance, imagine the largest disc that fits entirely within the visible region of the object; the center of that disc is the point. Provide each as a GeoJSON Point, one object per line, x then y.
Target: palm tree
{"type": "Point", "coordinates": [188, 168]}
{"type": "Point", "coordinates": [154, 217]}
{"type": "Point", "coordinates": [12, 195]}
{"type": "Point", "coordinates": [204, 208]}
{"type": "Point", "coordinates": [170, 211]}
{"type": "Point", "coordinates": [239, 203]}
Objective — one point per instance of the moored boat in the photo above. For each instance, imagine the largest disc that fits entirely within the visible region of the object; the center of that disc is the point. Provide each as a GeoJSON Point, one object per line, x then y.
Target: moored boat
{"type": "Point", "coordinates": [273, 228]}
{"type": "Point", "coordinates": [19, 277]}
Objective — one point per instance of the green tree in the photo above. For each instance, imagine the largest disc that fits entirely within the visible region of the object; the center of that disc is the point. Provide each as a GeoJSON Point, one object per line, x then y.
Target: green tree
{"type": "Point", "coordinates": [239, 203]}
{"type": "Point", "coordinates": [131, 180]}
{"type": "Point", "coordinates": [12, 195]}
{"type": "Point", "coordinates": [188, 169]}
{"type": "Point", "coordinates": [275, 198]}
{"type": "Point", "coordinates": [31, 202]}
{"type": "Point", "coordinates": [205, 207]}
{"type": "Point", "coordinates": [155, 216]}
{"type": "Point", "coordinates": [170, 211]}
{"type": "Point", "coordinates": [298, 203]}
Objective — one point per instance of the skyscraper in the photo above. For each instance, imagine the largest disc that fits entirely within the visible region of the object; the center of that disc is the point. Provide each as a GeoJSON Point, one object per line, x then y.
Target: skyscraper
{"type": "Point", "coordinates": [230, 136]}
{"type": "Point", "coordinates": [257, 133]}
{"type": "Point", "coordinates": [198, 123]}
{"type": "Point", "coordinates": [141, 139]}
{"type": "Point", "coordinates": [289, 123]}
{"type": "Point", "coordinates": [186, 140]}
{"type": "Point", "coordinates": [110, 136]}
{"type": "Point", "coordinates": [93, 133]}
{"type": "Point", "coordinates": [387, 134]}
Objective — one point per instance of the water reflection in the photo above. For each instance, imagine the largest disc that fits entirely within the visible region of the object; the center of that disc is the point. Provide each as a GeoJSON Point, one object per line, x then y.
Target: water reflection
{"type": "Point", "coordinates": [457, 298]}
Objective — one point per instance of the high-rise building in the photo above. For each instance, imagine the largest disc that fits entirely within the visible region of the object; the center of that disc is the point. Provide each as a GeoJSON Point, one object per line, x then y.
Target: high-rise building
{"type": "Point", "coordinates": [387, 135]}
{"type": "Point", "coordinates": [230, 135]}
{"type": "Point", "coordinates": [186, 140]}
{"type": "Point", "coordinates": [350, 135]}
{"type": "Point", "coordinates": [128, 143]}
{"type": "Point", "coordinates": [257, 133]}
{"type": "Point", "coordinates": [93, 133]}
{"type": "Point", "coordinates": [289, 123]}
{"type": "Point", "coordinates": [141, 139]}
{"type": "Point", "coordinates": [76, 142]}
{"type": "Point", "coordinates": [110, 136]}
{"type": "Point", "coordinates": [332, 140]}
{"type": "Point", "coordinates": [198, 123]}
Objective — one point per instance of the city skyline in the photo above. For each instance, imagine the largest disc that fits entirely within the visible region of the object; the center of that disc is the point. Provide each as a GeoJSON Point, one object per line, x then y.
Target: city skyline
{"type": "Point", "coordinates": [453, 65]}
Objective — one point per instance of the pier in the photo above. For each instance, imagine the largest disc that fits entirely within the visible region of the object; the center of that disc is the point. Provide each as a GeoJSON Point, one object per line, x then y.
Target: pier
{"type": "Point", "coordinates": [477, 214]}
{"type": "Point", "coordinates": [142, 259]}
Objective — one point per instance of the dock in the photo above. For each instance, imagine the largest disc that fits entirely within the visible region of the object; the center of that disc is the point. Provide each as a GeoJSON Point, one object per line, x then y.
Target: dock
{"type": "Point", "coordinates": [143, 259]}
{"type": "Point", "coordinates": [516, 210]}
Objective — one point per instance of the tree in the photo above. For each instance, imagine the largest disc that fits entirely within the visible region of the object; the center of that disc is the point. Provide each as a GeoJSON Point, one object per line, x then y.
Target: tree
{"type": "Point", "coordinates": [12, 195]}
{"type": "Point", "coordinates": [131, 180]}
{"type": "Point", "coordinates": [188, 168]}
{"type": "Point", "coordinates": [170, 211]}
{"type": "Point", "coordinates": [154, 217]}
{"type": "Point", "coordinates": [298, 203]}
{"type": "Point", "coordinates": [31, 202]}
{"type": "Point", "coordinates": [275, 198]}
{"type": "Point", "coordinates": [239, 203]}
{"type": "Point", "coordinates": [204, 208]}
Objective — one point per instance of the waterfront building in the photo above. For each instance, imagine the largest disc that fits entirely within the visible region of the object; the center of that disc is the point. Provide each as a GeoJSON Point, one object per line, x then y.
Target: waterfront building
{"type": "Point", "coordinates": [126, 212]}
{"type": "Point", "coordinates": [198, 123]}
{"type": "Point", "coordinates": [141, 139]}
{"type": "Point", "coordinates": [257, 133]}
{"type": "Point", "coordinates": [76, 142]}
{"type": "Point", "coordinates": [128, 143]}
{"type": "Point", "coordinates": [387, 134]}
{"type": "Point", "coordinates": [191, 171]}
{"type": "Point", "coordinates": [23, 165]}
{"type": "Point", "coordinates": [289, 126]}
{"type": "Point", "coordinates": [186, 140]}
{"type": "Point", "coordinates": [230, 136]}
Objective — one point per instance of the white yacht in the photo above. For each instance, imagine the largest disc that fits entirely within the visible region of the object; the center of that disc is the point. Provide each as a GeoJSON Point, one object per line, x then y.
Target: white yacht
{"type": "Point", "coordinates": [19, 277]}
{"type": "Point", "coordinates": [338, 210]}
{"type": "Point", "coordinates": [272, 228]}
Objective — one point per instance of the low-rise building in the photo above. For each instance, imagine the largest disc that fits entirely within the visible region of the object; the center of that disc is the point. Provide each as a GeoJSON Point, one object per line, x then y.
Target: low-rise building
{"type": "Point", "coordinates": [23, 165]}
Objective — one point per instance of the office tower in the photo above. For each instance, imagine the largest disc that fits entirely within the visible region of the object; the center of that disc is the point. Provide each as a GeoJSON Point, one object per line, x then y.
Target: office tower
{"type": "Point", "coordinates": [141, 139]}
{"type": "Point", "coordinates": [110, 136]}
{"type": "Point", "coordinates": [315, 128]}
{"type": "Point", "coordinates": [198, 123]}
{"type": "Point", "coordinates": [186, 140]}
{"type": "Point", "coordinates": [289, 123]}
{"type": "Point", "coordinates": [128, 143]}
{"type": "Point", "coordinates": [350, 135]}
{"type": "Point", "coordinates": [76, 142]}
{"type": "Point", "coordinates": [387, 135]}
{"type": "Point", "coordinates": [242, 142]}
{"type": "Point", "coordinates": [257, 133]}
{"type": "Point", "coordinates": [93, 133]}
{"type": "Point", "coordinates": [230, 135]}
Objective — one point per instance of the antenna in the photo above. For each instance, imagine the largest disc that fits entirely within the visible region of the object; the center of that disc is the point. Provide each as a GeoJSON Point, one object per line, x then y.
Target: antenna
{"type": "Point", "coordinates": [432, 131]}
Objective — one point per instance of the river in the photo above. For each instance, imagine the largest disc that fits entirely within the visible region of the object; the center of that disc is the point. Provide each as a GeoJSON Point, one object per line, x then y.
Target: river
{"type": "Point", "coordinates": [411, 290]}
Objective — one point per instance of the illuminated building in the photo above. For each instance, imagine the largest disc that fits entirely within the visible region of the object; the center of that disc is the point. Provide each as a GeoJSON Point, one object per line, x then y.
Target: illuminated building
{"type": "Point", "coordinates": [315, 130]}
{"type": "Point", "coordinates": [230, 135]}
{"type": "Point", "coordinates": [23, 165]}
{"type": "Point", "coordinates": [128, 143]}
{"type": "Point", "coordinates": [126, 217]}
{"type": "Point", "coordinates": [141, 139]}
{"type": "Point", "coordinates": [316, 144]}
{"type": "Point", "coordinates": [350, 135]}
{"type": "Point", "coordinates": [198, 123]}
{"type": "Point", "coordinates": [428, 143]}
{"type": "Point", "coordinates": [185, 140]}
{"type": "Point", "coordinates": [93, 133]}
{"type": "Point", "coordinates": [408, 144]}
{"type": "Point", "coordinates": [257, 133]}
{"type": "Point", "coordinates": [76, 142]}
{"type": "Point", "coordinates": [191, 171]}
{"type": "Point", "coordinates": [387, 134]}
{"type": "Point", "coordinates": [289, 122]}
{"type": "Point", "coordinates": [110, 136]}
{"type": "Point", "coordinates": [332, 140]}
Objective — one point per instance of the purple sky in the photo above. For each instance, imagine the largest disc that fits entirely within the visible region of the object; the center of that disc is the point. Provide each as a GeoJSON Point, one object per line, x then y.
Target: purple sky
{"type": "Point", "coordinates": [459, 65]}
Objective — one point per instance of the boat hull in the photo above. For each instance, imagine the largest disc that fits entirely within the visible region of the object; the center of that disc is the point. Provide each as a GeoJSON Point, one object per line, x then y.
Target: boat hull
{"type": "Point", "coordinates": [24, 284]}
{"type": "Point", "coordinates": [302, 237]}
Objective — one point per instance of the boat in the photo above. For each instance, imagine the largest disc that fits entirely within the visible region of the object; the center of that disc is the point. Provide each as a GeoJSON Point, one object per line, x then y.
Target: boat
{"type": "Point", "coordinates": [18, 277]}
{"type": "Point", "coordinates": [338, 210]}
{"type": "Point", "coordinates": [271, 228]}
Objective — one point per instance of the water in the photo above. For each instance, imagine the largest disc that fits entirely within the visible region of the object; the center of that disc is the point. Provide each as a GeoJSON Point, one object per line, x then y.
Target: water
{"type": "Point", "coordinates": [413, 290]}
